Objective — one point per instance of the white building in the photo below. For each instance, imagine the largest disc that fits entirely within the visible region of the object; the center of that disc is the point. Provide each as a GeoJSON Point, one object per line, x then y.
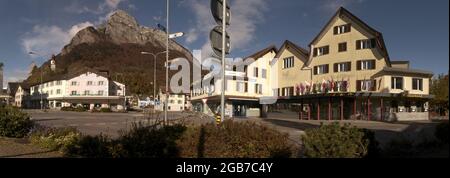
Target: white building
{"type": "Point", "coordinates": [91, 90]}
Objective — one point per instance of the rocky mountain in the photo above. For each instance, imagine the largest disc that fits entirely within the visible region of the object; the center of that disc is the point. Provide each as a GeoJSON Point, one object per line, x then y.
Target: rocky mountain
{"type": "Point", "coordinates": [115, 46]}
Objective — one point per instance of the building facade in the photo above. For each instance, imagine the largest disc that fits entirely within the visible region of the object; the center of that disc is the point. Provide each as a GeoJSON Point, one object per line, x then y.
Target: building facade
{"type": "Point", "coordinates": [346, 74]}
{"type": "Point", "coordinates": [91, 90]}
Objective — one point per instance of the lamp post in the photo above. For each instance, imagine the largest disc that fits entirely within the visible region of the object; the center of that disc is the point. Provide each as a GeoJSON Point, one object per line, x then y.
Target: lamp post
{"type": "Point", "coordinates": [154, 72]}
{"type": "Point", "coordinates": [41, 85]}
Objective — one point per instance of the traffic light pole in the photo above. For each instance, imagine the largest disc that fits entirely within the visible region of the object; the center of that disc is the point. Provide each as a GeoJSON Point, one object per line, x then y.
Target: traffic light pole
{"type": "Point", "coordinates": [224, 27]}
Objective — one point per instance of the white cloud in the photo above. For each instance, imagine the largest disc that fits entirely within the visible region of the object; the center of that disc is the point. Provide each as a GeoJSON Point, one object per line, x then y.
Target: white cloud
{"type": "Point", "coordinates": [104, 7]}
{"type": "Point", "coordinates": [16, 75]}
{"type": "Point", "coordinates": [334, 5]}
{"type": "Point", "coordinates": [47, 40]}
{"type": "Point", "coordinates": [246, 15]}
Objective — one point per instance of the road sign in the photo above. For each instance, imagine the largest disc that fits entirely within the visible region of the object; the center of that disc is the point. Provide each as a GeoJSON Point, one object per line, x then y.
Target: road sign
{"type": "Point", "coordinates": [234, 73]}
{"type": "Point", "coordinates": [216, 41]}
{"type": "Point", "coordinates": [162, 28]}
{"type": "Point", "coordinates": [217, 11]}
{"type": "Point", "coordinates": [176, 35]}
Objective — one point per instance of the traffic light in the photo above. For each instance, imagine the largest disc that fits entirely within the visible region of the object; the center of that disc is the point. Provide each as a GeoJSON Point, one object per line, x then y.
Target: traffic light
{"type": "Point", "coordinates": [216, 34]}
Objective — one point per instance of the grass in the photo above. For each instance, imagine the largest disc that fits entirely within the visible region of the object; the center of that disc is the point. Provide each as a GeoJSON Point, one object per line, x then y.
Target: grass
{"type": "Point", "coordinates": [22, 148]}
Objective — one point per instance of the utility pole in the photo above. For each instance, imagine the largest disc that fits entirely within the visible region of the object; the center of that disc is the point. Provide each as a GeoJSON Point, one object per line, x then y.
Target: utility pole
{"type": "Point", "coordinates": [224, 31]}
{"type": "Point", "coordinates": [166, 107]}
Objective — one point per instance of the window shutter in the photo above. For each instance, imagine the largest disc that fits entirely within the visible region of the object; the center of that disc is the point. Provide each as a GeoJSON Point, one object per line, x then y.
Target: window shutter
{"type": "Point", "coordinates": [246, 87]}
{"type": "Point", "coordinates": [336, 68]}
{"type": "Point", "coordinates": [326, 50]}
{"type": "Point", "coordinates": [358, 85]}
{"type": "Point", "coordinates": [373, 42]}
{"type": "Point", "coordinates": [374, 85]}
{"type": "Point", "coordinates": [392, 83]}
{"type": "Point", "coordinates": [336, 30]}
{"type": "Point", "coordinates": [358, 65]}
{"type": "Point", "coordinates": [349, 27]}
{"type": "Point", "coordinates": [374, 63]}
{"type": "Point", "coordinates": [327, 68]}
{"type": "Point", "coordinates": [358, 44]}
{"type": "Point", "coordinates": [349, 66]}
{"type": "Point", "coordinates": [315, 70]}
{"type": "Point", "coordinates": [315, 52]}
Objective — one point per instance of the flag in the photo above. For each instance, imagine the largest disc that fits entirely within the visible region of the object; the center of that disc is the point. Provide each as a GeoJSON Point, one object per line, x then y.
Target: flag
{"type": "Point", "coordinates": [302, 89]}
{"type": "Point", "coordinates": [332, 84]}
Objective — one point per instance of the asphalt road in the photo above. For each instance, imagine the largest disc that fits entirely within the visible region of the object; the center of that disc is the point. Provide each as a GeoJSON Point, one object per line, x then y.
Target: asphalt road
{"type": "Point", "coordinates": [111, 123]}
{"type": "Point", "coordinates": [92, 123]}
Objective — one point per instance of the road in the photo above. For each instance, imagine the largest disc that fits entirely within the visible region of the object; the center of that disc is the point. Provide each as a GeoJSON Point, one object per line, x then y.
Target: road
{"type": "Point", "coordinates": [111, 123]}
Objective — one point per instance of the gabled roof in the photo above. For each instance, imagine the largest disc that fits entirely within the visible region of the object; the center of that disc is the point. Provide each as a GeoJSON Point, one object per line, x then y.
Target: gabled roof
{"type": "Point", "coordinates": [71, 75]}
{"type": "Point", "coordinates": [400, 71]}
{"type": "Point", "coordinates": [290, 45]}
{"type": "Point", "coordinates": [344, 12]}
{"type": "Point", "coordinates": [263, 52]}
{"type": "Point", "coordinates": [12, 88]}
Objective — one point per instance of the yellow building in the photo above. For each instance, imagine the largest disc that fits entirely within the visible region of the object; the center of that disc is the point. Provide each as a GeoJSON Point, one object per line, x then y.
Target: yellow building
{"type": "Point", "coordinates": [346, 74]}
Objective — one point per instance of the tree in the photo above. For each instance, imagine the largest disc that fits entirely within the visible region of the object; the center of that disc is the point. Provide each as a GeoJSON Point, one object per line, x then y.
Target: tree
{"type": "Point", "coordinates": [439, 88]}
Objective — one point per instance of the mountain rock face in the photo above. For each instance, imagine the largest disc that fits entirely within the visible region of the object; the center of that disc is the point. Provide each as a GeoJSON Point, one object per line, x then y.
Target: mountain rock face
{"type": "Point", "coordinates": [122, 28]}
{"type": "Point", "coordinates": [115, 46]}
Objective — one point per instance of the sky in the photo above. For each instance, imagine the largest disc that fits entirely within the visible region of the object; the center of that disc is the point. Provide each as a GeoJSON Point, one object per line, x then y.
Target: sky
{"type": "Point", "coordinates": [414, 30]}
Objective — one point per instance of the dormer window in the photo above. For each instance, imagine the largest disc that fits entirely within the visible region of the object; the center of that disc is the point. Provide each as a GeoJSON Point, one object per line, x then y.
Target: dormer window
{"type": "Point", "coordinates": [365, 44]}
{"type": "Point", "coordinates": [321, 51]}
{"type": "Point", "coordinates": [342, 29]}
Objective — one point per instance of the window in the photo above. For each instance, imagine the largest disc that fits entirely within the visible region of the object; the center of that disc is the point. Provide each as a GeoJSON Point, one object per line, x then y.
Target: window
{"type": "Point", "coordinates": [74, 93]}
{"type": "Point", "coordinates": [58, 91]}
{"type": "Point", "coordinates": [322, 69]}
{"type": "Point", "coordinates": [101, 83]}
{"type": "Point", "coordinates": [74, 83]}
{"type": "Point", "coordinates": [52, 84]}
{"type": "Point", "coordinates": [89, 83]}
{"type": "Point", "coordinates": [366, 85]}
{"type": "Point", "coordinates": [288, 91]}
{"type": "Point", "coordinates": [365, 44]}
{"type": "Point", "coordinates": [342, 47]}
{"type": "Point", "coordinates": [255, 72]}
{"type": "Point", "coordinates": [240, 87]}
{"type": "Point", "coordinates": [264, 73]}
{"type": "Point", "coordinates": [172, 101]}
{"type": "Point", "coordinates": [366, 65]}
{"type": "Point", "coordinates": [417, 84]}
{"type": "Point", "coordinates": [397, 83]}
{"type": "Point", "coordinates": [342, 29]}
{"type": "Point", "coordinates": [100, 93]}
{"type": "Point", "coordinates": [86, 93]}
{"type": "Point", "coordinates": [342, 67]}
{"type": "Point", "coordinates": [58, 83]}
{"type": "Point", "coordinates": [180, 102]}
{"type": "Point", "coordinates": [288, 62]}
{"type": "Point", "coordinates": [51, 92]}
{"type": "Point", "coordinates": [258, 89]}
{"type": "Point", "coordinates": [276, 92]}
{"type": "Point", "coordinates": [321, 51]}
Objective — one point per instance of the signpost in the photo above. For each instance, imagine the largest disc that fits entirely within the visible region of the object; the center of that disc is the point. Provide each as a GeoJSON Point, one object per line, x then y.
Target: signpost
{"type": "Point", "coordinates": [222, 15]}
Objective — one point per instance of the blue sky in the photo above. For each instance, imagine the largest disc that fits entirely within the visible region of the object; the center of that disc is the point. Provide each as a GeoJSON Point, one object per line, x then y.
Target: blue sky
{"type": "Point", "coordinates": [415, 30]}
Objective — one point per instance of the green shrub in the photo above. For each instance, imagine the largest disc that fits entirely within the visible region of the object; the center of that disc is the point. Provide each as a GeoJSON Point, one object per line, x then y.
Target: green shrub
{"type": "Point", "coordinates": [91, 147]}
{"type": "Point", "coordinates": [71, 109]}
{"type": "Point", "coordinates": [55, 138]}
{"type": "Point", "coordinates": [336, 141]}
{"type": "Point", "coordinates": [14, 123]}
{"type": "Point", "coordinates": [233, 140]}
{"type": "Point", "coordinates": [442, 132]}
{"type": "Point", "coordinates": [150, 141]}
{"type": "Point", "coordinates": [106, 110]}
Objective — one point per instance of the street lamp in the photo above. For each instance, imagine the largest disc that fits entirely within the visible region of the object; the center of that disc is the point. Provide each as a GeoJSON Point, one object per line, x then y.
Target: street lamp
{"type": "Point", "coordinates": [154, 72]}
{"type": "Point", "coordinates": [41, 86]}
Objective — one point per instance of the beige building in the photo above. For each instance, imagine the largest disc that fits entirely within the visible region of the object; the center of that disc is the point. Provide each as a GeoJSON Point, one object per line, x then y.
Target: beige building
{"type": "Point", "coordinates": [346, 74]}
{"type": "Point", "coordinates": [247, 81]}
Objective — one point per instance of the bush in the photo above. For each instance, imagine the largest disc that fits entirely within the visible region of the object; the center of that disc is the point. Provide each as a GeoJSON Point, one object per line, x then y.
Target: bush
{"type": "Point", "coordinates": [71, 109]}
{"type": "Point", "coordinates": [106, 110]}
{"type": "Point", "coordinates": [140, 142]}
{"type": "Point", "coordinates": [14, 123]}
{"type": "Point", "coordinates": [442, 132]}
{"type": "Point", "coordinates": [91, 147]}
{"type": "Point", "coordinates": [149, 142]}
{"type": "Point", "coordinates": [233, 140]}
{"type": "Point", "coordinates": [55, 138]}
{"type": "Point", "coordinates": [399, 148]}
{"type": "Point", "coordinates": [336, 141]}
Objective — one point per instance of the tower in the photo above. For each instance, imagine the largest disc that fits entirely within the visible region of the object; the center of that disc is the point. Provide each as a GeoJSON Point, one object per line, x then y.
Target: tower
{"type": "Point", "coordinates": [53, 63]}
